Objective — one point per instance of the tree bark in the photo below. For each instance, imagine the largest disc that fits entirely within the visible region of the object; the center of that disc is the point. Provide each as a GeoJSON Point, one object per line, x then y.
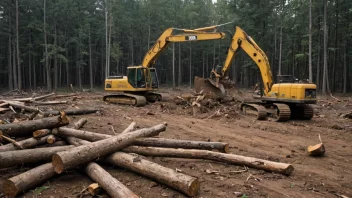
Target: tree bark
{"type": "Point", "coordinates": [26, 144]}
{"type": "Point", "coordinates": [90, 63]}
{"type": "Point", "coordinates": [210, 155]}
{"type": "Point", "coordinates": [179, 181]}
{"type": "Point", "coordinates": [10, 65]}
{"type": "Point", "coordinates": [173, 67]}
{"type": "Point", "coordinates": [49, 102]}
{"type": "Point", "coordinates": [179, 65]}
{"type": "Point", "coordinates": [19, 70]}
{"type": "Point", "coordinates": [129, 128]}
{"type": "Point", "coordinates": [87, 153]}
{"type": "Point", "coordinates": [26, 128]}
{"type": "Point", "coordinates": [27, 180]}
{"type": "Point", "coordinates": [29, 156]}
{"type": "Point", "coordinates": [110, 184]}
{"type": "Point", "coordinates": [71, 112]}
{"type": "Point", "coordinates": [55, 59]}
{"type": "Point", "coordinates": [280, 44]}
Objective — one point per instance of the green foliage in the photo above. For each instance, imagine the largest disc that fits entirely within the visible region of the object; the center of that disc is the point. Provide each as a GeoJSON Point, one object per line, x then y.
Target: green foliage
{"type": "Point", "coordinates": [39, 190]}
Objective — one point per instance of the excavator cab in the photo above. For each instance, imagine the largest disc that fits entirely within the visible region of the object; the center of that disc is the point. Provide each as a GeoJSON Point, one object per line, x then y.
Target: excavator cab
{"type": "Point", "coordinates": [142, 77]}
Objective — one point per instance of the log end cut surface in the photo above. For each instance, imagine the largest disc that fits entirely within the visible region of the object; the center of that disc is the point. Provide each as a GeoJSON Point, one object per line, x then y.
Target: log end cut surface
{"type": "Point", "coordinates": [58, 164]}
{"type": "Point", "coordinates": [194, 187]}
{"type": "Point", "coordinates": [9, 188]}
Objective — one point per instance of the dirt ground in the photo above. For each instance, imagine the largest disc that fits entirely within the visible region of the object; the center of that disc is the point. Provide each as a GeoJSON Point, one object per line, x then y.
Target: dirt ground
{"type": "Point", "coordinates": [328, 176]}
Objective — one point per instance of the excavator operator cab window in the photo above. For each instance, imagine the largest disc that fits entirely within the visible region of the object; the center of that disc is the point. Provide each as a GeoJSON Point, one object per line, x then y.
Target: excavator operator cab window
{"type": "Point", "coordinates": [141, 78]}
{"type": "Point", "coordinates": [285, 79]}
{"type": "Point", "coordinates": [132, 77]}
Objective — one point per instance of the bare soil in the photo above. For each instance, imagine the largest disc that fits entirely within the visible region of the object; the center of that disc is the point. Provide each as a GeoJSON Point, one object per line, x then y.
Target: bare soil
{"type": "Point", "coordinates": [328, 176]}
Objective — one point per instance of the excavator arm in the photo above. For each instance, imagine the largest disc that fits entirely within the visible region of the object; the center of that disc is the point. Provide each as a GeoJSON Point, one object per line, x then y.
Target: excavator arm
{"type": "Point", "coordinates": [167, 37]}
{"type": "Point", "coordinates": [242, 40]}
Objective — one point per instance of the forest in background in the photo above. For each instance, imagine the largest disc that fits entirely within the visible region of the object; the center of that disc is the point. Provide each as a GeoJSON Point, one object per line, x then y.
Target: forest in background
{"type": "Point", "coordinates": [52, 44]}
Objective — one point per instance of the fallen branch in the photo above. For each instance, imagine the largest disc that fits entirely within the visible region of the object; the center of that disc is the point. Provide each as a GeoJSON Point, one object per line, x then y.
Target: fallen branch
{"type": "Point", "coordinates": [49, 102]}
{"type": "Point", "coordinates": [71, 112]}
{"type": "Point", "coordinates": [12, 141]}
{"type": "Point", "coordinates": [26, 144]}
{"type": "Point", "coordinates": [130, 128]}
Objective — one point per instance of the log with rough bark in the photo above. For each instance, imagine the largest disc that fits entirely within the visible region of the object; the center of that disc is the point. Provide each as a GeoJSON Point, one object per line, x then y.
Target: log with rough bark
{"type": "Point", "coordinates": [86, 153]}
{"type": "Point", "coordinates": [110, 184]}
{"type": "Point", "coordinates": [67, 95]}
{"type": "Point", "coordinates": [155, 142]}
{"type": "Point", "coordinates": [29, 156]}
{"type": "Point", "coordinates": [271, 166]}
{"type": "Point", "coordinates": [58, 143]}
{"type": "Point", "coordinates": [130, 127]}
{"type": "Point", "coordinates": [49, 102]}
{"type": "Point", "coordinates": [26, 144]}
{"type": "Point", "coordinates": [179, 181]}
{"type": "Point", "coordinates": [71, 112]}
{"type": "Point", "coordinates": [80, 123]}
{"type": "Point", "coordinates": [18, 105]}
{"type": "Point", "coordinates": [51, 139]}
{"type": "Point", "coordinates": [41, 133]}
{"type": "Point", "coordinates": [28, 180]}
{"type": "Point", "coordinates": [4, 109]}
{"type": "Point", "coordinates": [27, 127]}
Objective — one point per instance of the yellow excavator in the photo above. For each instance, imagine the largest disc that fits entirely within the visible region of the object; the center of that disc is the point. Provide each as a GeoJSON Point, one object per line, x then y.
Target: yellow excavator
{"type": "Point", "coordinates": [141, 81]}
{"type": "Point", "coordinates": [288, 99]}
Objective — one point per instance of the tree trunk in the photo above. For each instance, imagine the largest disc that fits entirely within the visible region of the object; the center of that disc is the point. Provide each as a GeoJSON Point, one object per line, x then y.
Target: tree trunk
{"type": "Point", "coordinates": [173, 66]}
{"type": "Point", "coordinates": [310, 43]}
{"type": "Point", "coordinates": [20, 106]}
{"type": "Point", "coordinates": [19, 71]}
{"type": "Point", "coordinates": [55, 60]}
{"type": "Point", "coordinates": [179, 181]}
{"type": "Point", "coordinates": [27, 180]}
{"type": "Point", "coordinates": [71, 112]}
{"type": "Point", "coordinates": [345, 69]}
{"type": "Point", "coordinates": [9, 69]}
{"type": "Point", "coordinates": [89, 152]}
{"type": "Point", "coordinates": [30, 59]}
{"type": "Point", "coordinates": [90, 62]}
{"type": "Point", "coordinates": [325, 48]}
{"type": "Point", "coordinates": [26, 144]}
{"type": "Point", "coordinates": [14, 68]}
{"type": "Point", "coordinates": [210, 155]}
{"type": "Point", "coordinates": [110, 184]}
{"type": "Point", "coordinates": [29, 156]}
{"type": "Point", "coordinates": [47, 67]}
{"type": "Point", "coordinates": [179, 65]}
{"type": "Point", "coordinates": [26, 128]}
{"type": "Point", "coordinates": [280, 44]}
{"type": "Point", "coordinates": [190, 65]}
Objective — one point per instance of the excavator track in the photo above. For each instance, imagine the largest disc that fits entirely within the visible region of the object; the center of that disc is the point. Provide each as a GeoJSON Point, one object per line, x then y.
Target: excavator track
{"type": "Point", "coordinates": [125, 98]}
{"type": "Point", "coordinates": [254, 109]}
{"type": "Point", "coordinates": [307, 112]}
{"type": "Point", "coordinates": [279, 112]}
{"type": "Point", "coordinates": [153, 97]}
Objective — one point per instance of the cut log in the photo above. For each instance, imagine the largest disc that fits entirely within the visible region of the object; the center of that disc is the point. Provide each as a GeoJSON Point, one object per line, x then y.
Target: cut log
{"type": "Point", "coordinates": [71, 112]}
{"type": "Point", "coordinates": [41, 133]}
{"type": "Point", "coordinates": [27, 143]}
{"type": "Point", "coordinates": [51, 139]}
{"type": "Point", "coordinates": [94, 189]}
{"type": "Point", "coordinates": [67, 95]}
{"type": "Point", "coordinates": [26, 128]}
{"type": "Point", "coordinates": [130, 128]}
{"type": "Point", "coordinates": [86, 153]}
{"type": "Point", "coordinates": [28, 180]}
{"type": "Point", "coordinates": [4, 104]}
{"type": "Point", "coordinates": [80, 123]}
{"type": "Point", "coordinates": [49, 102]}
{"type": "Point", "coordinates": [179, 181]}
{"type": "Point", "coordinates": [33, 99]}
{"type": "Point", "coordinates": [29, 156]}
{"type": "Point", "coordinates": [21, 106]}
{"type": "Point", "coordinates": [12, 141]}
{"type": "Point", "coordinates": [110, 184]}
{"type": "Point", "coordinates": [186, 144]}
{"type": "Point", "coordinates": [316, 150]}
{"type": "Point", "coordinates": [155, 142]}
{"type": "Point", "coordinates": [277, 167]}
{"type": "Point", "coordinates": [85, 135]}
{"type": "Point", "coordinates": [4, 109]}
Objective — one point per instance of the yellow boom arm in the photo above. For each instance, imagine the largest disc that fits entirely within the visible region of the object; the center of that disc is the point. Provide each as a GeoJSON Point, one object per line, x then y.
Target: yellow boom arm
{"type": "Point", "coordinates": [187, 35]}
{"type": "Point", "coordinates": [241, 39]}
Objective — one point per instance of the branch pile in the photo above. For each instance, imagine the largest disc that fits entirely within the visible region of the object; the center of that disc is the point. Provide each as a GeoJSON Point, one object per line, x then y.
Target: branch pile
{"type": "Point", "coordinates": [128, 150]}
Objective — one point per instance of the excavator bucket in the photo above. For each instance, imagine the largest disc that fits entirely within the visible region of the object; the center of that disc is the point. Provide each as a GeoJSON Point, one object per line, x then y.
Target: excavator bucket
{"type": "Point", "coordinates": [208, 87]}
